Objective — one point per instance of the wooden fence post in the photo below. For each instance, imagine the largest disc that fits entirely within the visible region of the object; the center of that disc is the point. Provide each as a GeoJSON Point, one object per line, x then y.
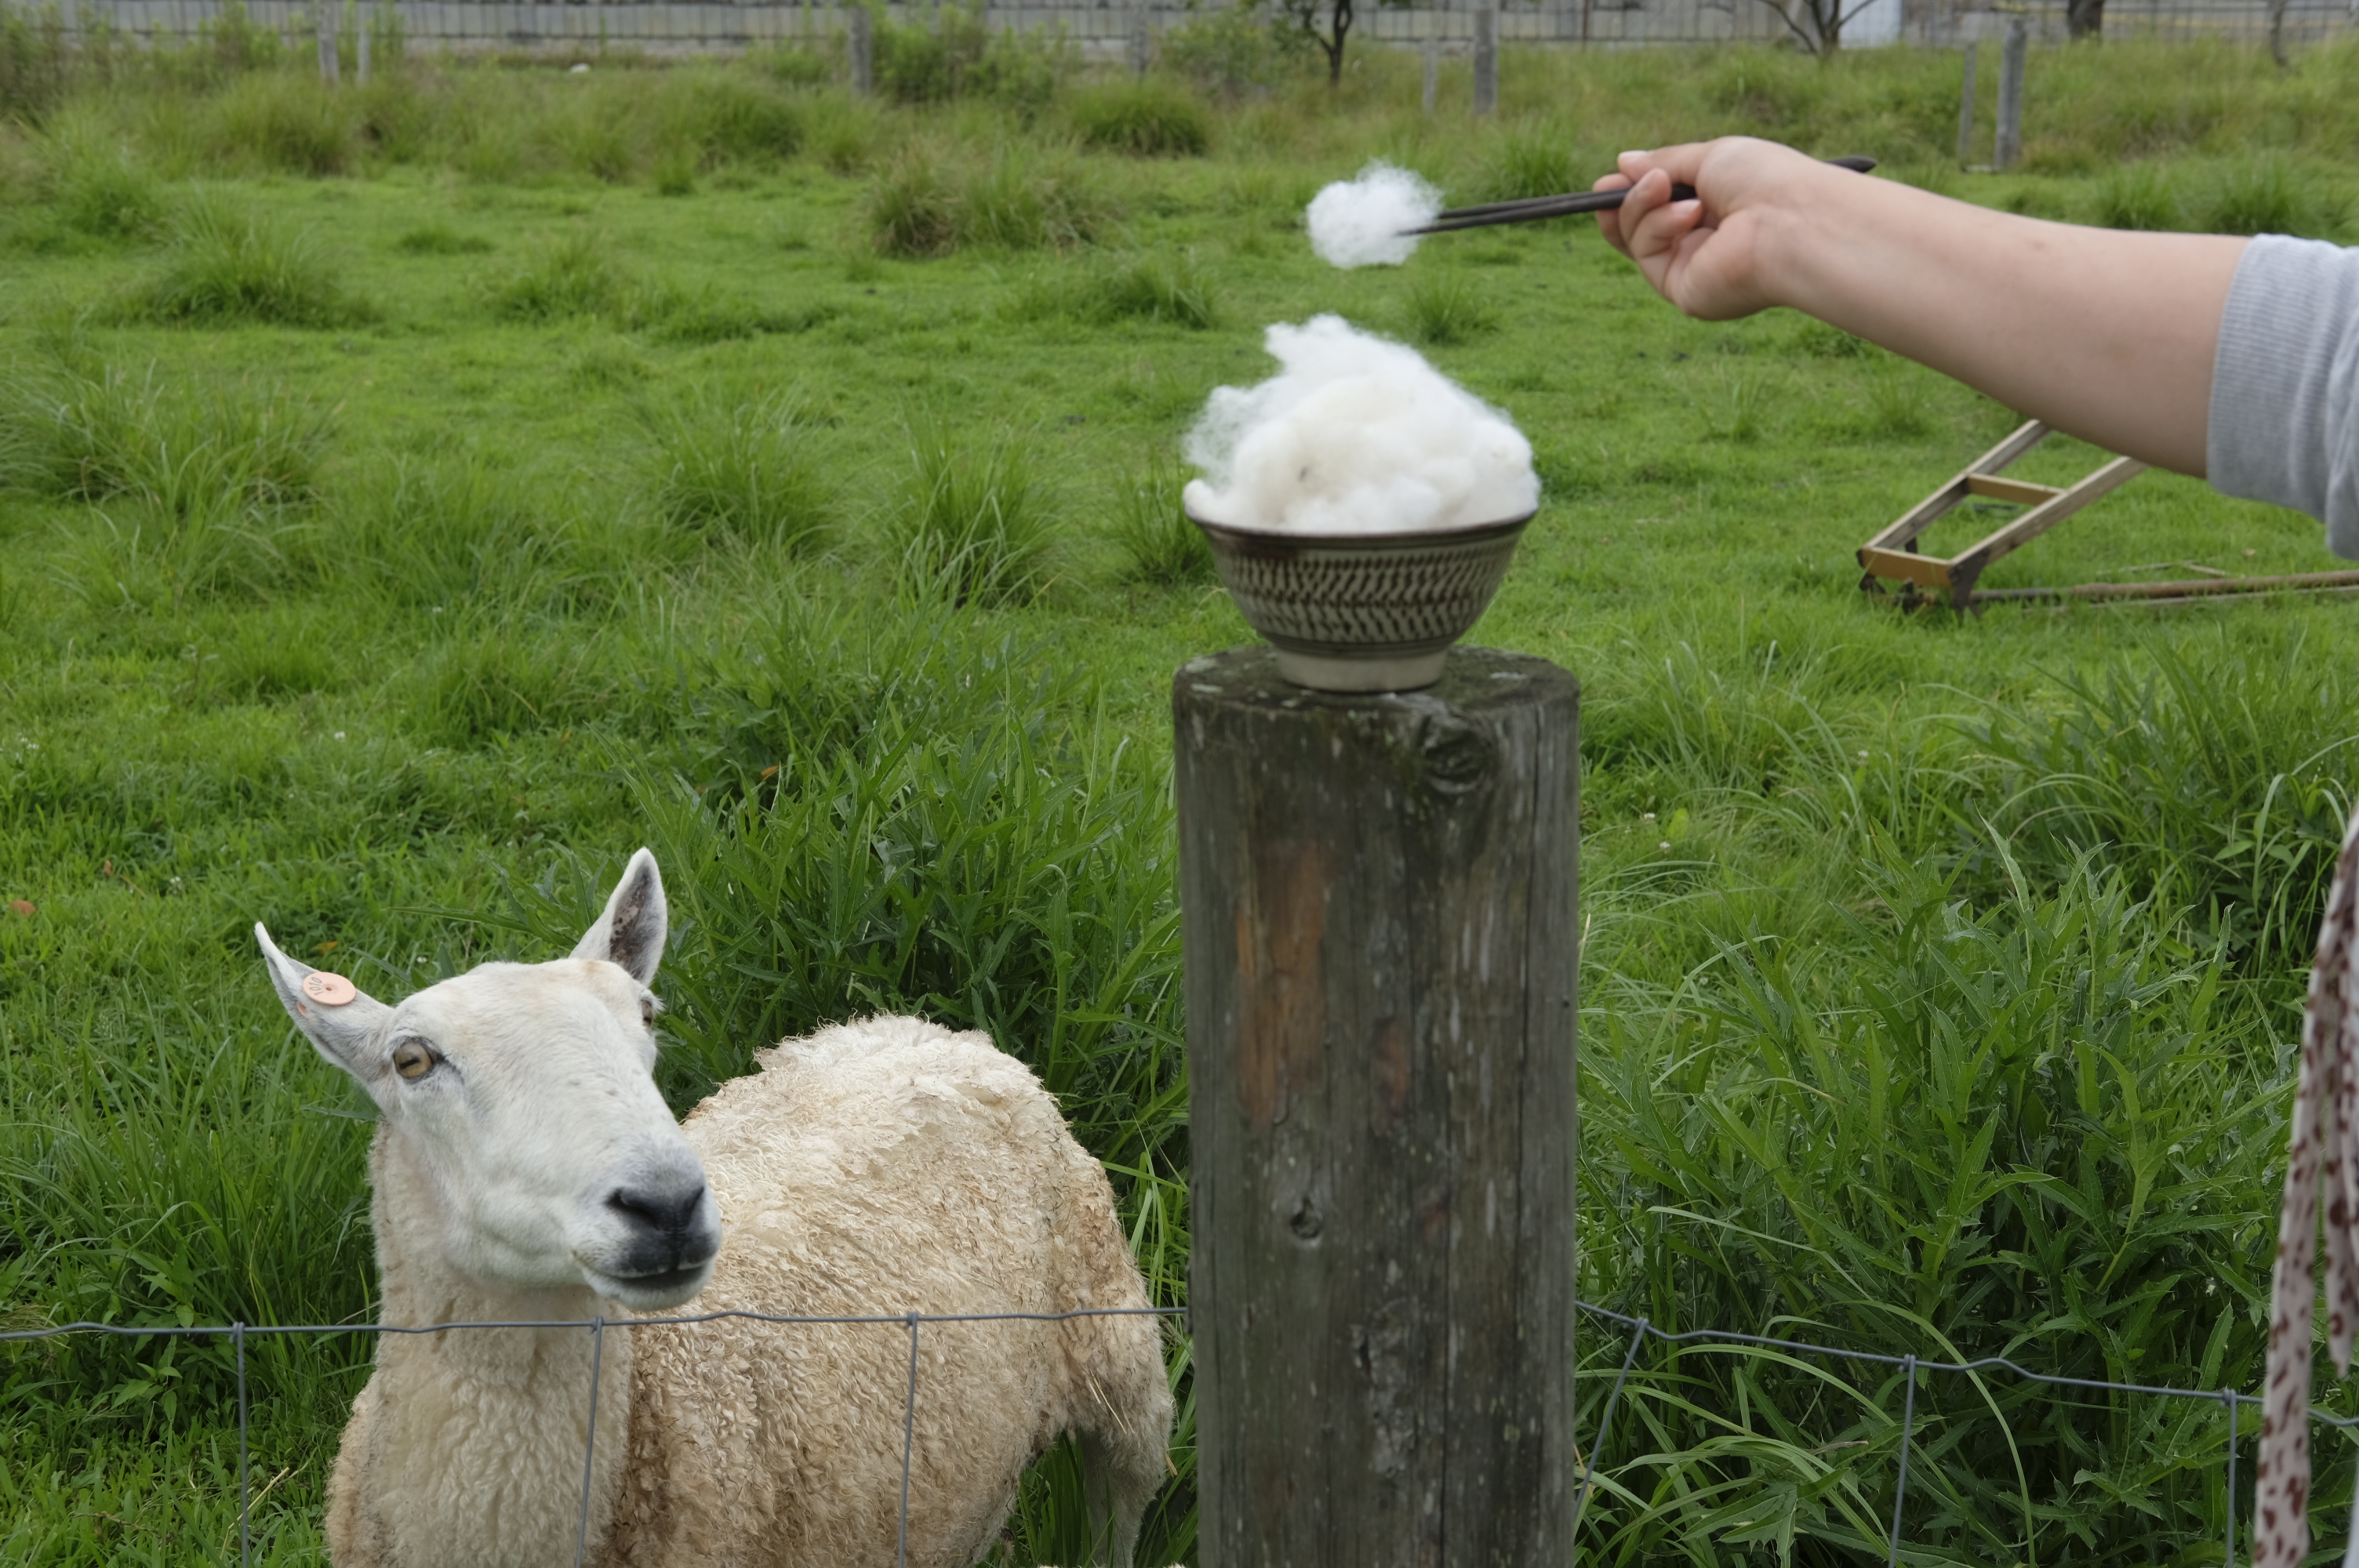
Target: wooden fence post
{"type": "Point", "coordinates": [364, 24]}
{"type": "Point", "coordinates": [1966, 107]}
{"type": "Point", "coordinates": [2010, 94]}
{"type": "Point", "coordinates": [1378, 898]}
{"type": "Point", "coordinates": [1432, 71]}
{"type": "Point", "coordinates": [859, 45]}
{"type": "Point", "coordinates": [1486, 58]}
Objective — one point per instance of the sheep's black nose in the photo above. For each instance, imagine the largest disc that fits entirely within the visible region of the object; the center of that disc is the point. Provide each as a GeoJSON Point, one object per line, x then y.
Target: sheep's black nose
{"type": "Point", "coordinates": [669, 1214]}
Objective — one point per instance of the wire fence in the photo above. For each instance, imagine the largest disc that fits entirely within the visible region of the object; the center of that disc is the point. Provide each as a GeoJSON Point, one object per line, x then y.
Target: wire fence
{"type": "Point", "coordinates": [1132, 29]}
{"type": "Point", "coordinates": [2230, 1401]}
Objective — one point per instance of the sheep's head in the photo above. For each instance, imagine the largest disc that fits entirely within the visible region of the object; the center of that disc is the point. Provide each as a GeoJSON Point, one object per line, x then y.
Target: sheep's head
{"type": "Point", "coordinates": [526, 1094]}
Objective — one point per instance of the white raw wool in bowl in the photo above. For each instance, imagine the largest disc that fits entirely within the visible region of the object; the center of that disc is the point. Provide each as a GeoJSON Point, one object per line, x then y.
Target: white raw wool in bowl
{"type": "Point", "coordinates": [1359, 222]}
{"type": "Point", "coordinates": [1355, 435]}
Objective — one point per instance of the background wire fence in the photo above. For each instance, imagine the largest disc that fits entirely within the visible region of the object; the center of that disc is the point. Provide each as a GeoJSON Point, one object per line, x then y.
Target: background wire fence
{"type": "Point", "coordinates": [1640, 1331]}
{"type": "Point", "coordinates": [1114, 29]}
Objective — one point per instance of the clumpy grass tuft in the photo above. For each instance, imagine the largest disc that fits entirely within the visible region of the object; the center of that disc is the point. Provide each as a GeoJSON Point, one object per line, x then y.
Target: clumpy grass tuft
{"type": "Point", "coordinates": [1145, 286]}
{"type": "Point", "coordinates": [182, 450]}
{"type": "Point", "coordinates": [1447, 308]}
{"type": "Point", "coordinates": [1896, 401]}
{"type": "Point", "coordinates": [2264, 195]}
{"type": "Point", "coordinates": [738, 469]}
{"type": "Point", "coordinates": [227, 266]}
{"type": "Point", "coordinates": [971, 524]}
{"type": "Point", "coordinates": [1160, 546]}
{"type": "Point", "coordinates": [100, 192]}
{"type": "Point", "coordinates": [2138, 196]}
{"type": "Point", "coordinates": [1530, 160]}
{"type": "Point", "coordinates": [283, 121]}
{"type": "Point", "coordinates": [439, 240]}
{"type": "Point", "coordinates": [931, 203]}
{"type": "Point", "coordinates": [573, 274]}
{"type": "Point", "coordinates": [1155, 118]}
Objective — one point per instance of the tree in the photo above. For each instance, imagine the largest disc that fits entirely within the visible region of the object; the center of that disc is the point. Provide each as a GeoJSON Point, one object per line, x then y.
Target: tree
{"type": "Point", "coordinates": [1817, 25]}
{"type": "Point", "coordinates": [1304, 14]}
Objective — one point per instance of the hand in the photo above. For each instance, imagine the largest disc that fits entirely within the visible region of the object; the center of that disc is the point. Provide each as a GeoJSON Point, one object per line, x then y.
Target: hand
{"type": "Point", "coordinates": [1707, 255]}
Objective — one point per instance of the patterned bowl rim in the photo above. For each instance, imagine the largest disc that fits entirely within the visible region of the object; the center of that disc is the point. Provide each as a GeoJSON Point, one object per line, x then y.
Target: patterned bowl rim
{"type": "Point", "coordinates": [1273, 542]}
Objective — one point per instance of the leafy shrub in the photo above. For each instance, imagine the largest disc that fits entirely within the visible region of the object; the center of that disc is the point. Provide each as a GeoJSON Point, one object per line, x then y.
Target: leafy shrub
{"type": "Point", "coordinates": [1160, 546]}
{"type": "Point", "coordinates": [795, 66]}
{"type": "Point", "coordinates": [1145, 119]}
{"type": "Point", "coordinates": [742, 468]}
{"type": "Point", "coordinates": [2138, 196]}
{"type": "Point", "coordinates": [1446, 307]}
{"type": "Point", "coordinates": [956, 53]}
{"type": "Point", "coordinates": [182, 450]}
{"type": "Point", "coordinates": [37, 68]}
{"type": "Point", "coordinates": [970, 525]}
{"type": "Point", "coordinates": [226, 267]}
{"type": "Point", "coordinates": [1230, 52]}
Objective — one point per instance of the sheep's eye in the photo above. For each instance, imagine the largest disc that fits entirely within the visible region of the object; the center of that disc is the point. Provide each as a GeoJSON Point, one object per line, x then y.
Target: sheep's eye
{"type": "Point", "coordinates": [412, 1060]}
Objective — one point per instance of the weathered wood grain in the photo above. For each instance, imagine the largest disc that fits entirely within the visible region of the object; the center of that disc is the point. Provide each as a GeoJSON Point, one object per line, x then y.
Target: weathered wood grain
{"type": "Point", "coordinates": [1379, 897]}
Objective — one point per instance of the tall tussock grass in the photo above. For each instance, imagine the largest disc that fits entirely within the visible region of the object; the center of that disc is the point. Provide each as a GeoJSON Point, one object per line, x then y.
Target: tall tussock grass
{"type": "Point", "coordinates": [931, 202]}
{"type": "Point", "coordinates": [98, 434]}
{"type": "Point", "coordinates": [971, 524]}
{"type": "Point", "coordinates": [1153, 118]}
{"type": "Point", "coordinates": [226, 265]}
{"type": "Point", "coordinates": [740, 468]}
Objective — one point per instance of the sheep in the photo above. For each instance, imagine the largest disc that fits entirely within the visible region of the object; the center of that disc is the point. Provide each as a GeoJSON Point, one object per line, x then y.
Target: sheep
{"type": "Point", "coordinates": [526, 1169]}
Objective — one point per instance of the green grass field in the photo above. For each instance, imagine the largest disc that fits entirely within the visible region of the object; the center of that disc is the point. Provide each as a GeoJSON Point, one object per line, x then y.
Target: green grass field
{"type": "Point", "coordinates": [412, 499]}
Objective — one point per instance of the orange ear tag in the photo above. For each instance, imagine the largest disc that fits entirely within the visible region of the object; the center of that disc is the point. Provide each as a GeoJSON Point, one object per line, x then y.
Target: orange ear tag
{"type": "Point", "coordinates": [326, 990]}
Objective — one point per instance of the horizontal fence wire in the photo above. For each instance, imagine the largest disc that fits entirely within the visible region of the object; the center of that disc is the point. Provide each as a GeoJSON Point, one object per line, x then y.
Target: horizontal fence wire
{"type": "Point", "coordinates": [1122, 28]}
{"type": "Point", "coordinates": [1641, 1330]}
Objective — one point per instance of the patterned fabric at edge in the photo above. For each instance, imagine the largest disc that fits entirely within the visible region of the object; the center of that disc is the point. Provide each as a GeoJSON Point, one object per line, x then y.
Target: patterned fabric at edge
{"type": "Point", "coordinates": [2322, 1147]}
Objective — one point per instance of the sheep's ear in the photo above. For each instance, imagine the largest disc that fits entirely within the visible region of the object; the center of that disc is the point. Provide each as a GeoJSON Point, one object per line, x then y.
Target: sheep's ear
{"type": "Point", "coordinates": [631, 932]}
{"type": "Point", "coordinates": [342, 1034]}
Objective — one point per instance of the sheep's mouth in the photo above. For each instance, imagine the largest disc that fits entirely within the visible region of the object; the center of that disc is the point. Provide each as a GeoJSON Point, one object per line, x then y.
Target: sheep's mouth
{"type": "Point", "coordinates": [644, 1292]}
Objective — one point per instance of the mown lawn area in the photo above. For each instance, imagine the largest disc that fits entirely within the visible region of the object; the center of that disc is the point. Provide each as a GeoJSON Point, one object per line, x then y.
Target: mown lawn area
{"type": "Point", "coordinates": [413, 498]}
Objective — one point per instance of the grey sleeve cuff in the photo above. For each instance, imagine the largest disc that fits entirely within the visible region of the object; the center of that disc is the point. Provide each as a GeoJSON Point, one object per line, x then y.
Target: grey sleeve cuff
{"type": "Point", "coordinates": [2285, 384]}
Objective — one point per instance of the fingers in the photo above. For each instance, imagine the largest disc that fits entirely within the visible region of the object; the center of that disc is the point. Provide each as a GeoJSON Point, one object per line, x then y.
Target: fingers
{"type": "Point", "coordinates": [1652, 224]}
{"type": "Point", "coordinates": [1609, 222]}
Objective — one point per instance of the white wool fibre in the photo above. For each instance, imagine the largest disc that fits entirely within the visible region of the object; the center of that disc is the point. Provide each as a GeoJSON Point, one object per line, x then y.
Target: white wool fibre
{"type": "Point", "coordinates": [1359, 222]}
{"type": "Point", "coordinates": [1355, 435]}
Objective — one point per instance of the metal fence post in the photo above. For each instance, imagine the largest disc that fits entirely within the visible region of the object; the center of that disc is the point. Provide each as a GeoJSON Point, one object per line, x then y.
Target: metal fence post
{"type": "Point", "coordinates": [1432, 71]}
{"type": "Point", "coordinates": [361, 29]}
{"type": "Point", "coordinates": [2010, 94]}
{"type": "Point", "coordinates": [245, 1521]}
{"type": "Point", "coordinates": [1907, 1431]}
{"type": "Point", "coordinates": [590, 1448]}
{"type": "Point", "coordinates": [908, 1443]}
{"type": "Point", "coordinates": [859, 42]}
{"type": "Point", "coordinates": [1486, 58]}
{"type": "Point", "coordinates": [324, 15]}
{"type": "Point", "coordinates": [2228, 1556]}
{"type": "Point", "coordinates": [1378, 896]}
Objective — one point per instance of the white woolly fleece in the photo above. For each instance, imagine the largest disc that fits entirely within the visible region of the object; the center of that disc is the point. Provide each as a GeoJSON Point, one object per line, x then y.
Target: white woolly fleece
{"type": "Point", "coordinates": [1358, 222]}
{"type": "Point", "coordinates": [1355, 435]}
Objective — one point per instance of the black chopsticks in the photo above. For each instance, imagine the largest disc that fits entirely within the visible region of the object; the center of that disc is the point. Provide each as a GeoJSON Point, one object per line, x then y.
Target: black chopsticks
{"type": "Point", "coordinates": [1535, 208]}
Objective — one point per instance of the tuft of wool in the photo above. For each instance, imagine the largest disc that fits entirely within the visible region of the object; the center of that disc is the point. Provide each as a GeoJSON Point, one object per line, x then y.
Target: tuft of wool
{"type": "Point", "coordinates": [1358, 222]}
{"type": "Point", "coordinates": [1355, 435]}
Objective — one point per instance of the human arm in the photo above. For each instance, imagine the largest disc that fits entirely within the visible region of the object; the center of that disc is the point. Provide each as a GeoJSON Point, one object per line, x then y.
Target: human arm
{"type": "Point", "coordinates": [2109, 336]}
